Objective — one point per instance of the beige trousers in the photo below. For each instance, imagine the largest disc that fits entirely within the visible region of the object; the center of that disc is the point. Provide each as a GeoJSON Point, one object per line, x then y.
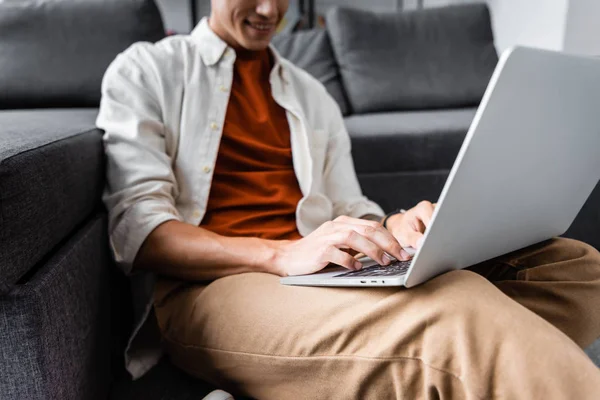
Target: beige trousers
{"type": "Point", "coordinates": [510, 328]}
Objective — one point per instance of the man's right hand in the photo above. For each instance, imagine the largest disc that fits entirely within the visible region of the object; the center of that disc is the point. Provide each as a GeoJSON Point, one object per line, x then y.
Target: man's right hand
{"type": "Point", "coordinates": [327, 244]}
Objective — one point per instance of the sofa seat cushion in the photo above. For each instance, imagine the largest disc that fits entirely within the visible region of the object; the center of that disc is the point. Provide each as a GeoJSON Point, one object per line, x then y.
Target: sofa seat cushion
{"type": "Point", "coordinates": [407, 141]}
{"type": "Point", "coordinates": [51, 179]}
{"type": "Point", "coordinates": [425, 59]}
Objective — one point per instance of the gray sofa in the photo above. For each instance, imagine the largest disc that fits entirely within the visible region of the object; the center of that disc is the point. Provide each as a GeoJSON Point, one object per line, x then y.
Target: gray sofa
{"type": "Point", "coordinates": [64, 309]}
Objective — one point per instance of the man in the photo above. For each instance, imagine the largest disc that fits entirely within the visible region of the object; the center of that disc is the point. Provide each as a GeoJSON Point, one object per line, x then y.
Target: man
{"type": "Point", "coordinates": [229, 167]}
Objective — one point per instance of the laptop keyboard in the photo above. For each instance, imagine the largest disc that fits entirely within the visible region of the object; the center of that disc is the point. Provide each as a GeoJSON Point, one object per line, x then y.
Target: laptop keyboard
{"type": "Point", "coordinates": [394, 269]}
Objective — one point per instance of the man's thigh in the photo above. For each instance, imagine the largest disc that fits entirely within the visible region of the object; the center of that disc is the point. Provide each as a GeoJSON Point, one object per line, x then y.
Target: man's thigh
{"type": "Point", "coordinates": [558, 279]}
{"type": "Point", "coordinates": [554, 259]}
{"type": "Point", "coordinates": [249, 328]}
{"type": "Point", "coordinates": [254, 313]}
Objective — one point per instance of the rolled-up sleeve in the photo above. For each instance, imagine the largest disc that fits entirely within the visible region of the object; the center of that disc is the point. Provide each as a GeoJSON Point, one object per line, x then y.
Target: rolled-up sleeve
{"type": "Point", "coordinates": [141, 188]}
{"type": "Point", "coordinates": [341, 183]}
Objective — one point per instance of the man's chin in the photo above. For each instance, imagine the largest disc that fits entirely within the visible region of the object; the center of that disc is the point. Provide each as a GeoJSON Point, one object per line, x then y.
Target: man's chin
{"type": "Point", "coordinates": [254, 45]}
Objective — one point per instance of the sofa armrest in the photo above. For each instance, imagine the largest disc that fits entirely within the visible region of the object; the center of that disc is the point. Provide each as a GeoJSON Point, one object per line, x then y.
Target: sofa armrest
{"type": "Point", "coordinates": [54, 330]}
{"type": "Point", "coordinates": [51, 180]}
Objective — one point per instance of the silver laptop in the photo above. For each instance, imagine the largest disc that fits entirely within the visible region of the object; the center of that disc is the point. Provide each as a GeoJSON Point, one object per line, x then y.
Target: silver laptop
{"type": "Point", "coordinates": [529, 161]}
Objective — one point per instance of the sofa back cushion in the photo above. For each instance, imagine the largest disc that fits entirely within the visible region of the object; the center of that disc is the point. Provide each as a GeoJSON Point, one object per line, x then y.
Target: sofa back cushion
{"type": "Point", "coordinates": [311, 50]}
{"type": "Point", "coordinates": [53, 53]}
{"type": "Point", "coordinates": [426, 59]}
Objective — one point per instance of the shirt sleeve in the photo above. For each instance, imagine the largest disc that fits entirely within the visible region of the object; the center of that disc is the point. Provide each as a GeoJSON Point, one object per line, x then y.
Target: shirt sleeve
{"type": "Point", "coordinates": [141, 187]}
{"type": "Point", "coordinates": [340, 181]}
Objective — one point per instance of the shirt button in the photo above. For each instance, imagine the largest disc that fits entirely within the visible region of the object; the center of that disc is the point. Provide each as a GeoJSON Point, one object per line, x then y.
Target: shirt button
{"type": "Point", "coordinates": [196, 214]}
{"type": "Point", "coordinates": [223, 88]}
{"type": "Point", "coordinates": [214, 126]}
{"type": "Point", "coordinates": [206, 169]}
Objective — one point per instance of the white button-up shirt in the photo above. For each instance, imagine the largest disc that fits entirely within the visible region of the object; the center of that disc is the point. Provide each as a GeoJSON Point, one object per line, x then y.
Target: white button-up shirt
{"type": "Point", "coordinates": [163, 110]}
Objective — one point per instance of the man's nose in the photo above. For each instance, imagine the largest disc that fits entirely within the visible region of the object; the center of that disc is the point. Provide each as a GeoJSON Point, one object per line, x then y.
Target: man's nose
{"type": "Point", "coordinates": [267, 8]}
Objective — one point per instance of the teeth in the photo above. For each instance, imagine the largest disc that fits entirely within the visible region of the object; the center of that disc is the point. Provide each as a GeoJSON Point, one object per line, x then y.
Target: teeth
{"type": "Point", "coordinates": [261, 26]}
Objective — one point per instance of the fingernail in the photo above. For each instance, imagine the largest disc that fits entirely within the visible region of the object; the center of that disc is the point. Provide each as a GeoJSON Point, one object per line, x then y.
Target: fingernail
{"type": "Point", "coordinates": [357, 265]}
{"type": "Point", "coordinates": [386, 259]}
{"type": "Point", "coordinates": [405, 255]}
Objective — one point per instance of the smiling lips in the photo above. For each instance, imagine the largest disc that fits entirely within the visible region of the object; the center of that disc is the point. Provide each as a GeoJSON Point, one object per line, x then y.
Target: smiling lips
{"type": "Point", "coordinates": [261, 27]}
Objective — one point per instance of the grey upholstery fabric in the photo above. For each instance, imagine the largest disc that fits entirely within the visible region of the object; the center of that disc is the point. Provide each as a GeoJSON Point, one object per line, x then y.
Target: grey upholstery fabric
{"type": "Point", "coordinates": [407, 141]}
{"type": "Point", "coordinates": [392, 190]}
{"type": "Point", "coordinates": [433, 58]}
{"type": "Point", "coordinates": [594, 352]}
{"type": "Point", "coordinates": [586, 226]}
{"type": "Point", "coordinates": [54, 326]}
{"type": "Point", "coordinates": [51, 179]}
{"type": "Point", "coordinates": [54, 52]}
{"type": "Point", "coordinates": [311, 50]}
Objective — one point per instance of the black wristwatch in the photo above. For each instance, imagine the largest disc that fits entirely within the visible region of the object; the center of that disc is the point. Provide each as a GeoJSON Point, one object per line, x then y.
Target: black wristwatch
{"type": "Point", "coordinates": [388, 215]}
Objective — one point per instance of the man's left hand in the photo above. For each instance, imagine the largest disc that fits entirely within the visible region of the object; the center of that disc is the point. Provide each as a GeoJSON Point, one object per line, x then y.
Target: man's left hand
{"type": "Point", "coordinates": [408, 227]}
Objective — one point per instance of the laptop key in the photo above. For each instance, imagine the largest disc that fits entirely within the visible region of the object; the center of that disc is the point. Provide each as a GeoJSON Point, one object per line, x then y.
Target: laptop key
{"type": "Point", "coordinates": [394, 269]}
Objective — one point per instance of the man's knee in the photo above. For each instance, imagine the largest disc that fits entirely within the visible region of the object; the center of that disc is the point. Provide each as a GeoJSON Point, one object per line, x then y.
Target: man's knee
{"type": "Point", "coordinates": [463, 294]}
{"type": "Point", "coordinates": [583, 255]}
{"type": "Point", "coordinates": [568, 246]}
{"type": "Point", "coordinates": [559, 256]}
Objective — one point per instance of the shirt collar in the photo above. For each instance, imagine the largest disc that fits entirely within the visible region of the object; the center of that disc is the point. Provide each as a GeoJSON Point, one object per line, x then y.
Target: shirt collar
{"type": "Point", "coordinates": [212, 48]}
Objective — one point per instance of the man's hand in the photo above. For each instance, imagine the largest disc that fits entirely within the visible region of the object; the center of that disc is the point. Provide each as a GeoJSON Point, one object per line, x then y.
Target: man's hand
{"type": "Point", "coordinates": [326, 244]}
{"type": "Point", "coordinates": [408, 228]}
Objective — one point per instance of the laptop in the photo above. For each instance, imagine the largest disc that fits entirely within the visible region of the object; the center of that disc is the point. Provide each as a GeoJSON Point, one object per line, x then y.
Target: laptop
{"type": "Point", "coordinates": [528, 163]}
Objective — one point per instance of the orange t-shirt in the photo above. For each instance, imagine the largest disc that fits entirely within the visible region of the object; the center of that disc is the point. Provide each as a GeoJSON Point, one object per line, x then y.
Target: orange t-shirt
{"type": "Point", "coordinates": [254, 189]}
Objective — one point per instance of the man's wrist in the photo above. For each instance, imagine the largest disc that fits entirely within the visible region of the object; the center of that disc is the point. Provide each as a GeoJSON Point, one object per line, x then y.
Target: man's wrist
{"type": "Point", "coordinates": [272, 255]}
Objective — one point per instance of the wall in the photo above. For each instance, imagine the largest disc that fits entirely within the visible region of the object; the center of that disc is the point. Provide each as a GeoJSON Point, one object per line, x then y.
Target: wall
{"type": "Point", "coordinates": [534, 23]}
{"type": "Point", "coordinates": [569, 25]}
{"type": "Point", "coordinates": [582, 35]}
{"type": "Point", "coordinates": [176, 14]}
{"type": "Point", "coordinates": [566, 25]}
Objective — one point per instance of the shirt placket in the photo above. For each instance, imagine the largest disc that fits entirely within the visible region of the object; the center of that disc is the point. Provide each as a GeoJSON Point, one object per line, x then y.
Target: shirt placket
{"type": "Point", "coordinates": [301, 156]}
{"type": "Point", "coordinates": [214, 128]}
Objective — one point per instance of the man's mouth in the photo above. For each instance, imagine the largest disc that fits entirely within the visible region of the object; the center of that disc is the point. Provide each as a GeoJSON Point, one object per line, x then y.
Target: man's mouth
{"type": "Point", "coordinates": [261, 27]}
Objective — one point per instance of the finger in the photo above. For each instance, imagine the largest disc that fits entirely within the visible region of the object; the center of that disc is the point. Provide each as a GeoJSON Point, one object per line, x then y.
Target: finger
{"type": "Point", "coordinates": [376, 233]}
{"type": "Point", "coordinates": [424, 211]}
{"type": "Point", "coordinates": [383, 240]}
{"type": "Point", "coordinates": [416, 224]}
{"type": "Point", "coordinates": [350, 238]}
{"type": "Point", "coordinates": [412, 239]}
{"type": "Point", "coordinates": [343, 259]}
{"type": "Point", "coordinates": [356, 221]}
{"type": "Point", "coordinates": [342, 222]}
